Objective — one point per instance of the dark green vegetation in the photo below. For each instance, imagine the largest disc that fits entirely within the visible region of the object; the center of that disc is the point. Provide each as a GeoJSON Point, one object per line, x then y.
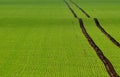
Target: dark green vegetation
{"type": "Point", "coordinates": [41, 38]}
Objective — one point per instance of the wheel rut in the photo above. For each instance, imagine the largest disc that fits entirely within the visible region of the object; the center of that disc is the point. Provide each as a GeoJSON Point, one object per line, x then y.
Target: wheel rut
{"type": "Point", "coordinates": [105, 33]}
{"type": "Point", "coordinates": [98, 25]}
{"type": "Point", "coordinates": [108, 65]}
{"type": "Point", "coordinates": [80, 9]}
{"type": "Point", "coordinates": [72, 11]}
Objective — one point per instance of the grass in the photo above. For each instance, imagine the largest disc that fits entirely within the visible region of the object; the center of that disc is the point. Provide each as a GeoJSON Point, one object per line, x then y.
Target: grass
{"type": "Point", "coordinates": [42, 39]}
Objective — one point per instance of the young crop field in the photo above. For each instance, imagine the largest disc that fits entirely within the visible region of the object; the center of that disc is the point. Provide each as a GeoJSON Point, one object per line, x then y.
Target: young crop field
{"type": "Point", "coordinates": [59, 38]}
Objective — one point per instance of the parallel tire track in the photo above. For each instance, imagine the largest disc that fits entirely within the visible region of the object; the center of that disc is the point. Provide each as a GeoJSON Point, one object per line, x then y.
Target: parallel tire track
{"type": "Point", "coordinates": [99, 26]}
{"type": "Point", "coordinates": [108, 65]}
{"type": "Point", "coordinates": [80, 9]}
{"type": "Point", "coordinates": [74, 14]}
{"type": "Point", "coordinates": [107, 34]}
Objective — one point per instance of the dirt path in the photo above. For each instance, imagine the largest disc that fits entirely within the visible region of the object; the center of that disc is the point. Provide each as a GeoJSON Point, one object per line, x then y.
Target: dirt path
{"type": "Point", "coordinates": [80, 9]}
{"type": "Point", "coordinates": [107, 34]}
{"type": "Point", "coordinates": [108, 65]}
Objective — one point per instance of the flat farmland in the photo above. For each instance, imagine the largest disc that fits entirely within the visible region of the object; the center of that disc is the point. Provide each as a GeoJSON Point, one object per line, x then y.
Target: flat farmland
{"type": "Point", "coordinates": [42, 38]}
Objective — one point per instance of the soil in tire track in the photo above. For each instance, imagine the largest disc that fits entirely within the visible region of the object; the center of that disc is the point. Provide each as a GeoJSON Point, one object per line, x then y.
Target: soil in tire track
{"type": "Point", "coordinates": [108, 65]}
{"type": "Point", "coordinates": [107, 34]}
{"type": "Point", "coordinates": [80, 9]}
{"type": "Point", "coordinates": [74, 14]}
{"type": "Point", "coordinates": [99, 26]}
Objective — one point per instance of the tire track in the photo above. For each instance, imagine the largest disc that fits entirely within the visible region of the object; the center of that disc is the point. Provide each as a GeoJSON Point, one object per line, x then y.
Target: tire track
{"type": "Point", "coordinates": [80, 9]}
{"type": "Point", "coordinates": [74, 14]}
{"type": "Point", "coordinates": [99, 26]}
{"type": "Point", "coordinates": [108, 65]}
{"type": "Point", "coordinates": [105, 33]}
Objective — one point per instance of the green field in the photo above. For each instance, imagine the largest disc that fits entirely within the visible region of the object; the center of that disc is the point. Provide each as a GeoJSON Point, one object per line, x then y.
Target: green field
{"type": "Point", "coordinates": [41, 38]}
